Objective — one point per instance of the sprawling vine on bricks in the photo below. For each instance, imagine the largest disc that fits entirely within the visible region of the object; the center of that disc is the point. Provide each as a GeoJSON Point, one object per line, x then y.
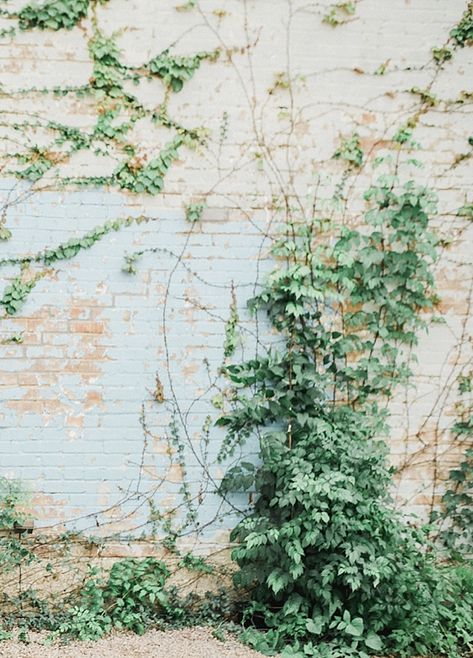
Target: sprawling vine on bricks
{"type": "Point", "coordinates": [16, 293]}
{"type": "Point", "coordinates": [331, 568]}
{"type": "Point", "coordinates": [117, 111]}
{"type": "Point", "coordinates": [456, 516]}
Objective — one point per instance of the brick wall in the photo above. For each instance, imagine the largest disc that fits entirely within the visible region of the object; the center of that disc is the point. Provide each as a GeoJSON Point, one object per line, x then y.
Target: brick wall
{"type": "Point", "coordinates": [73, 393]}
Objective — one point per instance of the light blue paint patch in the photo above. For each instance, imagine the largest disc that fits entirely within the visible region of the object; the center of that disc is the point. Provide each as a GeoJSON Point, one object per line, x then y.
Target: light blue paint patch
{"type": "Point", "coordinates": [82, 443]}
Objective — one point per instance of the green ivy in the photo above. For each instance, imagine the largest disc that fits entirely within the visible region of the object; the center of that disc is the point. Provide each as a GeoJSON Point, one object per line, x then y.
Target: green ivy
{"type": "Point", "coordinates": [39, 161]}
{"type": "Point", "coordinates": [175, 70]}
{"type": "Point", "coordinates": [108, 73]}
{"type": "Point", "coordinates": [187, 6]}
{"type": "Point", "coordinates": [331, 568]}
{"type": "Point", "coordinates": [139, 177]}
{"type": "Point", "coordinates": [231, 329]}
{"type": "Point", "coordinates": [70, 135]}
{"type": "Point", "coordinates": [53, 14]}
{"type": "Point", "coordinates": [17, 292]}
{"type": "Point", "coordinates": [442, 55]}
{"type": "Point", "coordinates": [11, 497]}
{"type": "Point", "coordinates": [339, 13]}
{"type": "Point", "coordinates": [113, 104]}
{"type": "Point", "coordinates": [426, 96]}
{"type": "Point", "coordinates": [455, 519]}
{"type": "Point", "coordinates": [194, 212]}
{"type": "Point", "coordinates": [466, 211]}
{"type": "Point", "coordinates": [14, 554]}
{"type": "Point", "coordinates": [350, 150]}
{"type": "Point", "coordinates": [5, 233]}
{"type": "Point", "coordinates": [16, 339]}
{"type": "Point", "coordinates": [462, 34]}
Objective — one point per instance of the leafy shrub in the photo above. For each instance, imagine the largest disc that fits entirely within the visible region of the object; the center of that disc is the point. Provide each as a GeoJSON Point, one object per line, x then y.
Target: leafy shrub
{"type": "Point", "coordinates": [455, 519]}
{"type": "Point", "coordinates": [131, 597]}
{"type": "Point", "coordinates": [330, 567]}
{"type": "Point", "coordinates": [135, 596]}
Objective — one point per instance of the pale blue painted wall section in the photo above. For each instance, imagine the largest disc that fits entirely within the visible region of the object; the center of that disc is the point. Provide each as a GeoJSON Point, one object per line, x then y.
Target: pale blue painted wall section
{"type": "Point", "coordinates": [94, 338]}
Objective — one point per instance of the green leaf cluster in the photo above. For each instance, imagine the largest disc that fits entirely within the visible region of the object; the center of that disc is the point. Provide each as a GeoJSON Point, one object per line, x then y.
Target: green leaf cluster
{"type": "Point", "coordinates": [149, 177]}
{"type": "Point", "coordinates": [14, 553]}
{"type": "Point", "coordinates": [108, 72]}
{"type": "Point", "coordinates": [231, 329]}
{"type": "Point", "coordinates": [175, 70]}
{"type": "Point", "coordinates": [331, 568]}
{"type": "Point", "coordinates": [39, 163]}
{"type": "Point", "coordinates": [442, 55]}
{"type": "Point", "coordinates": [194, 212]}
{"type": "Point", "coordinates": [127, 599]}
{"type": "Point", "coordinates": [339, 13]}
{"type": "Point", "coordinates": [53, 14]}
{"type": "Point", "coordinates": [462, 33]}
{"type": "Point", "coordinates": [15, 294]}
{"type": "Point", "coordinates": [117, 110]}
{"type": "Point", "coordinates": [455, 519]}
{"type": "Point", "coordinates": [11, 497]}
{"type": "Point", "coordinates": [350, 150]}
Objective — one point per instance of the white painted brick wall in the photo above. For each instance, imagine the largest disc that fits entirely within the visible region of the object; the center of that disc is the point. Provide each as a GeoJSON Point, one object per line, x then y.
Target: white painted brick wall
{"type": "Point", "coordinates": [71, 393]}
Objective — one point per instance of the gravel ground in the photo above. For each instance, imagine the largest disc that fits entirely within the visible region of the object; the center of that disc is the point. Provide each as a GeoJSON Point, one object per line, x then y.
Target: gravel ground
{"type": "Point", "coordinates": [187, 643]}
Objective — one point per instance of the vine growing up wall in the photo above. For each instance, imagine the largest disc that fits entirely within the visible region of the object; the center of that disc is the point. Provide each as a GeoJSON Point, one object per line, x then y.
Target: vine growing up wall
{"type": "Point", "coordinates": [39, 147]}
{"type": "Point", "coordinates": [321, 549]}
{"type": "Point", "coordinates": [331, 567]}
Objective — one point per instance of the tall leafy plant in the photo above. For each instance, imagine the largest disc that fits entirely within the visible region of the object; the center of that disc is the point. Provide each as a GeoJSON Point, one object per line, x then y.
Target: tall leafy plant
{"type": "Point", "coordinates": [329, 566]}
{"type": "Point", "coordinates": [455, 519]}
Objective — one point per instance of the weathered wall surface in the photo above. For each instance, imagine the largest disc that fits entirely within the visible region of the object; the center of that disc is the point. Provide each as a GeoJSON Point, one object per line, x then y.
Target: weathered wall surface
{"type": "Point", "coordinates": [96, 338]}
{"type": "Point", "coordinates": [84, 423]}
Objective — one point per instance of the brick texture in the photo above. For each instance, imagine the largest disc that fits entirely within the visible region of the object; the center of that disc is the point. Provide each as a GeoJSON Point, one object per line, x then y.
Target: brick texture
{"type": "Point", "coordinates": [95, 338]}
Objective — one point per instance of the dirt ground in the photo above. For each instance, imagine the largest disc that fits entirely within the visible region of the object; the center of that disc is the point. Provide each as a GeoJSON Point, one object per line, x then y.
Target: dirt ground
{"type": "Point", "coordinates": [187, 643]}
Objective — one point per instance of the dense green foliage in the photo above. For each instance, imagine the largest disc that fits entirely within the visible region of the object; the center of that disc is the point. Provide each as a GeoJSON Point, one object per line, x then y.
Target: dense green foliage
{"type": "Point", "coordinates": [462, 34]}
{"type": "Point", "coordinates": [331, 568]}
{"type": "Point", "coordinates": [456, 516]}
{"type": "Point", "coordinates": [53, 14]}
{"type": "Point", "coordinates": [134, 595]}
{"type": "Point", "coordinates": [127, 597]}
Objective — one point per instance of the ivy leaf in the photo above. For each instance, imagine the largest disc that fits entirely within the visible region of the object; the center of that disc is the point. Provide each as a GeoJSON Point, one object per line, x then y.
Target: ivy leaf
{"type": "Point", "coordinates": [373, 642]}
{"type": "Point", "coordinates": [355, 627]}
{"type": "Point", "coordinates": [315, 626]}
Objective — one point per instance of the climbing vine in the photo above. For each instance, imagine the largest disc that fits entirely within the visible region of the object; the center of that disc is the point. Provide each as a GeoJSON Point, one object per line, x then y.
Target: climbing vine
{"type": "Point", "coordinates": [16, 293]}
{"type": "Point", "coordinates": [455, 518]}
{"type": "Point", "coordinates": [117, 111]}
{"type": "Point", "coordinates": [330, 565]}
{"type": "Point", "coordinates": [319, 547]}
{"type": "Point", "coordinates": [340, 13]}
